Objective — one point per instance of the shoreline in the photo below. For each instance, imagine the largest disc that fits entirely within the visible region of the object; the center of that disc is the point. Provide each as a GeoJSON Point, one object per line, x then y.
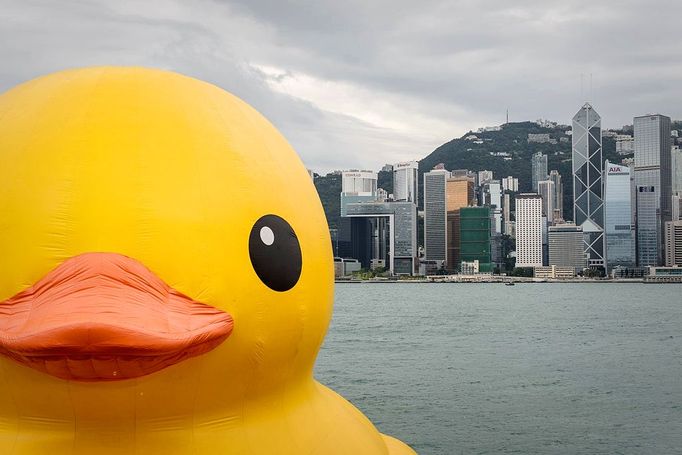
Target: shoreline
{"type": "Point", "coordinates": [514, 281]}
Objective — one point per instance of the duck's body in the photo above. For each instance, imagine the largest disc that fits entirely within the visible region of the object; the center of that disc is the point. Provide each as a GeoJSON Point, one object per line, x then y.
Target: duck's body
{"type": "Point", "coordinates": [165, 278]}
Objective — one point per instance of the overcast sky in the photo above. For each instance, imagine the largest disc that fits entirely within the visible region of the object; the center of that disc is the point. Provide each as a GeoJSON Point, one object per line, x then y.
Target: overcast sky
{"type": "Point", "coordinates": [356, 84]}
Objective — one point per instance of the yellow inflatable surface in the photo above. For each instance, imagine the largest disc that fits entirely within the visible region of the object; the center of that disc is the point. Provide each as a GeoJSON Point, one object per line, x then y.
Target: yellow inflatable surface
{"type": "Point", "coordinates": [166, 276]}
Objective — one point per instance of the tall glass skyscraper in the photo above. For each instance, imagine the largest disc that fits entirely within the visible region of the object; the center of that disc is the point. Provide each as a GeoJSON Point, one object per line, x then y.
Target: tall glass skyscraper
{"type": "Point", "coordinates": [588, 205]}
{"type": "Point", "coordinates": [653, 185]}
{"type": "Point", "coordinates": [620, 233]}
{"type": "Point", "coordinates": [538, 170]}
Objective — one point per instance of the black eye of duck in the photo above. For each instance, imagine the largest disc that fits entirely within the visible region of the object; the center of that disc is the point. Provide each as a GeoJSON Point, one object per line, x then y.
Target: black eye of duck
{"type": "Point", "coordinates": [275, 253]}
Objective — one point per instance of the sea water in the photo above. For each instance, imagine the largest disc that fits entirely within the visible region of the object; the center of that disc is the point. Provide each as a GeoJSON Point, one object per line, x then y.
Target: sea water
{"type": "Point", "coordinates": [529, 369]}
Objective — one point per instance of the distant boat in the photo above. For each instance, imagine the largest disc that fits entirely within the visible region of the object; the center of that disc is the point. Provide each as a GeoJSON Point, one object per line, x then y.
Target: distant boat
{"type": "Point", "coordinates": [509, 283]}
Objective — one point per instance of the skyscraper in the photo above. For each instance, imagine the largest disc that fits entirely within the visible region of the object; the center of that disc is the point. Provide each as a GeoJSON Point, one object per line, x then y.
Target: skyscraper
{"type": "Point", "coordinates": [555, 177]}
{"type": "Point", "coordinates": [618, 228]}
{"type": "Point", "coordinates": [528, 230]}
{"type": "Point", "coordinates": [435, 215]}
{"type": "Point", "coordinates": [475, 236]}
{"type": "Point", "coordinates": [547, 192]}
{"type": "Point", "coordinates": [538, 170]}
{"type": "Point", "coordinates": [653, 185]}
{"type": "Point", "coordinates": [459, 193]}
{"type": "Point", "coordinates": [588, 210]}
{"type": "Point", "coordinates": [405, 181]}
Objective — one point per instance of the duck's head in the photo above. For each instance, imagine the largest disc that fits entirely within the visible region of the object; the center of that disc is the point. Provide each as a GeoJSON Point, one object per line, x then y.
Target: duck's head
{"type": "Point", "coordinates": [159, 240]}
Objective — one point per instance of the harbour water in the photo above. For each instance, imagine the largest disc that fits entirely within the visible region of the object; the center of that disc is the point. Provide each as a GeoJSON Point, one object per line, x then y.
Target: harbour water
{"type": "Point", "coordinates": [528, 369]}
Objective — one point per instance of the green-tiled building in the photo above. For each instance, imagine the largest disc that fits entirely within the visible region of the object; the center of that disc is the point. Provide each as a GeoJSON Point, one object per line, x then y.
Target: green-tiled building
{"type": "Point", "coordinates": [475, 236]}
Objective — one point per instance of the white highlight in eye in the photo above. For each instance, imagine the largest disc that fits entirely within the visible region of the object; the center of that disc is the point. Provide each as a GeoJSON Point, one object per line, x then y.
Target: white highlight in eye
{"type": "Point", "coordinates": [267, 236]}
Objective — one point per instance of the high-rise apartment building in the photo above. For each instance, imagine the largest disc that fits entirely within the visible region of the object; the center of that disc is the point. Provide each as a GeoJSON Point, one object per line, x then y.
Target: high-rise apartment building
{"type": "Point", "coordinates": [555, 177]}
{"type": "Point", "coordinates": [547, 192]}
{"type": "Point", "coordinates": [510, 183]}
{"type": "Point", "coordinates": [588, 205]}
{"type": "Point", "coordinates": [566, 246]}
{"type": "Point", "coordinates": [653, 185]}
{"type": "Point", "coordinates": [528, 230]}
{"type": "Point", "coordinates": [538, 170]}
{"type": "Point", "coordinates": [405, 182]}
{"type": "Point", "coordinates": [673, 243]}
{"type": "Point", "coordinates": [619, 231]}
{"type": "Point", "coordinates": [435, 215]}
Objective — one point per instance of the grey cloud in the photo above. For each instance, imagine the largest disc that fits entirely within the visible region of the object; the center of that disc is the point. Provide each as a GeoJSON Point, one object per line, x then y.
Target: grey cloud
{"type": "Point", "coordinates": [460, 62]}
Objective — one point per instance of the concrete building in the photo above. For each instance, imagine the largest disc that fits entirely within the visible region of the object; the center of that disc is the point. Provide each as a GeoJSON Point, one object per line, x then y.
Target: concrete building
{"type": "Point", "coordinates": [491, 195]}
{"type": "Point", "coordinates": [673, 243]}
{"type": "Point", "coordinates": [653, 185]}
{"type": "Point", "coordinates": [676, 170]}
{"type": "Point", "coordinates": [459, 193]}
{"type": "Point", "coordinates": [538, 170]}
{"type": "Point", "coordinates": [388, 231]}
{"type": "Point", "coordinates": [484, 176]}
{"type": "Point", "coordinates": [547, 192]}
{"type": "Point", "coordinates": [528, 230]}
{"type": "Point", "coordinates": [565, 243]}
{"type": "Point", "coordinates": [554, 272]}
{"type": "Point", "coordinates": [405, 182]}
{"type": "Point", "coordinates": [475, 237]}
{"type": "Point", "coordinates": [345, 267]}
{"type": "Point", "coordinates": [588, 205]}
{"type": "Point", "coordinates": [510, 183]}
{"type": "Point", "coordinates": [555, 177]}
{"type": "Point", "coordinates": [618, 227]}
{"type": "Point", "coordinates": [435, 215]}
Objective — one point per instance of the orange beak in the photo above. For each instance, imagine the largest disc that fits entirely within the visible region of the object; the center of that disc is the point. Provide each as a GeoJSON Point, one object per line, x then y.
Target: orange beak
{"type": "Point", "coordinates": [106, 317]}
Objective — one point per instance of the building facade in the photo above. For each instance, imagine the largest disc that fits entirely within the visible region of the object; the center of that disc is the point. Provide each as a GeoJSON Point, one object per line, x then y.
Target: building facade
{"type": "Point", "coordinates": [459, 193]}
{"type": "Point", "coordinates": [673, 243]}
{"type": "Point", "coordinates": [393, 233]}
{"type": "Point", "coordinates": [510, 183]}
{"type": "Point", "coordinates": [588, 205]}
{"type": "Point", "coordinates": [653, 185]}
{"type": "Point", "coordinates": [405, 182]}
{"type": "Point", "coordinates": [547, 192]}
{"type": "Point", "coordinates": [555, 177]}
{"type": "Point", "coordinates": [566, 246]}
{"type": "Point", "coordinates": [538, 170]}
{"type": "Point", "coordinates": [435, 215]}
{"type": "Point", "coordinates": [475, 237]}
{"type": "Point", "coordinates": [619, 231]}
{"type": "Point", "coordinates": [528, 230]}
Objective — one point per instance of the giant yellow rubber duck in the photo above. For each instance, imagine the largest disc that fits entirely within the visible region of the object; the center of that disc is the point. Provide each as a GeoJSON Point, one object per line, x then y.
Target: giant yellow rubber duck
{"type": "Point", "coordinates": [165, 276]}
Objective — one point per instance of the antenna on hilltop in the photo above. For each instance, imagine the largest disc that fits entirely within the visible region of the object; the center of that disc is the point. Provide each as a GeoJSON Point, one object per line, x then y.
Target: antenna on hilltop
{"type": "Point", "coordinates": [591, 88]}
{"type": "Point", "coordinates": [507, 117]}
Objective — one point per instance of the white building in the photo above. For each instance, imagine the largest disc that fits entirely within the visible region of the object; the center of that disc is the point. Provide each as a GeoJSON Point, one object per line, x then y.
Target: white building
{"type": "Point", "coordinates": [510, 183]}
{"type": "Point", "coordinates": [359, 183]}
{"type": "Point", "coordinates": [528, 230]}
{"type": "Point", "coordinates": [405, 181]}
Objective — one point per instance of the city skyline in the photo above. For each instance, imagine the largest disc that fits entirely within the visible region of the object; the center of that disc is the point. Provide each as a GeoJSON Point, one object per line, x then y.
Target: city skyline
{"type": "Point", "coordinates": [361, 87]}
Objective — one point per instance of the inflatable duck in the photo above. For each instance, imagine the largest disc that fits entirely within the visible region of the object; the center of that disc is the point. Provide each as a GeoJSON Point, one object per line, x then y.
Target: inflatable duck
{"type": "Point", "coordinates": [165, 276]}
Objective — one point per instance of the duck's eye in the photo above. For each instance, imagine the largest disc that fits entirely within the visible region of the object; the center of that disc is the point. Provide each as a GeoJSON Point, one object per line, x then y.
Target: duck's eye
{"type": "Point", "coordinates": [275, 253]}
